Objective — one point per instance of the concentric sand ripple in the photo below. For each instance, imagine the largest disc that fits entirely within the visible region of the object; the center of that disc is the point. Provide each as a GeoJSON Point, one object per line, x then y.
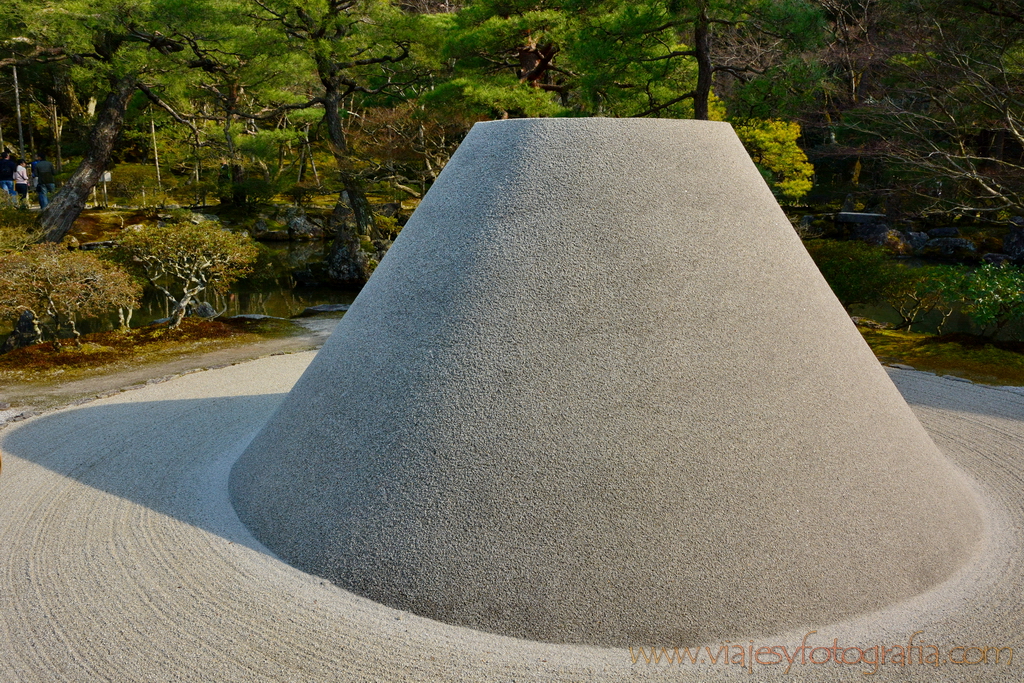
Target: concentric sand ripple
{"type": "Point", "coordinates": [122, 559]}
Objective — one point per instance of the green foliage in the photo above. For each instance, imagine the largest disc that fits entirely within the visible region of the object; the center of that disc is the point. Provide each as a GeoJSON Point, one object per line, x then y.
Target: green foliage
{"type": "Point", "coordinates": [916, 291]}
{"type": "Point", "coordinates": [993, 296]}
{"type": "Point", "coordinates": [60, 286]}
{"type": "Point", "coordinates": [855, 271]}
{"type": "Point", "coordinates": [387, 227]}
{"type": "Point", "coordinates": [258, 190]}
{"type": "Point", "coordinates": [501, 95]}
{"type": "Point", "coordinates": [773, 147]}
{"type": "Point", "coordinates": [17, 229]}
{"type": "Point", "coordinates": [136, 185]}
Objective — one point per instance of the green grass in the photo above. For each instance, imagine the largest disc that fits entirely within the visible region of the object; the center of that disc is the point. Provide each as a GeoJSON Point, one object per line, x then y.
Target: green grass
{"type": "Point", "coordinates": [962, 355]}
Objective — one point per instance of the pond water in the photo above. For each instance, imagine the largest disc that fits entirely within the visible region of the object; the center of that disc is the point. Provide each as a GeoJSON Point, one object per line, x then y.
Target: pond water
{"type": "Point", "coordinates": [271, 290]}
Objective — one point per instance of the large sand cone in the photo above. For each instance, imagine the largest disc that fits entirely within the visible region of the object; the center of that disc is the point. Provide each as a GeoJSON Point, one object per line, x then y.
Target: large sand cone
{"type": "Point", "coordinates": [598, 393]}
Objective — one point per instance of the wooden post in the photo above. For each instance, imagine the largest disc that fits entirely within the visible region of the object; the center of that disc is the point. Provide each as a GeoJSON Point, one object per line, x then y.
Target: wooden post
{"type": "Point", "coordinates": [17, 111]}
{"type": "Point", "coordinates": [31, 129]}
{"type": "Point", "coordinates": [57, 130]}
{"type": "Point", "coordinates": [156, 156]}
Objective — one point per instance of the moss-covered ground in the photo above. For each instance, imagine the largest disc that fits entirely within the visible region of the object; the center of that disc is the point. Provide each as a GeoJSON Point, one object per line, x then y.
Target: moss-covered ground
{"type": "Point", "coordinates": [113, 351]}
{"type": "Point", "coordinates": [962, 355]}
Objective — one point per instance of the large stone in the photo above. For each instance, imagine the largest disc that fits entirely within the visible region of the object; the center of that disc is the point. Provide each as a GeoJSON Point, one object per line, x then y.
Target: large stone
{"type": "Point", "coordinates": [203, 309]}
{"type": "Point", "coordinates": [873, 233]}
{"type": "Point", "coordinates": [1013, 244]}
{"type": "Point", "coordinates": [916, 240]}
{"type": "Point", "coordinates": [391, 209]}
{"type": "Point", "coordinates": [855, 218]}
{"type": "Point", "coordinates": [955, 247]}
{"type": "Point", "coordinates": [597, 392]}
{"type": "Point", "coordinates": [881, 235]}
{"type": "Point", "coordinates": [26, 332]}
{"type": "Point", "coordinates": [996, 259]}
{"type": "Point", "coordinates": [300, 227]}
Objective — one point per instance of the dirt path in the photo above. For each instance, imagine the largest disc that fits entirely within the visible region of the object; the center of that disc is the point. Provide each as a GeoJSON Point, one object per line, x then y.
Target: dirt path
{"type": "Point", "coordinates": [30, 398]}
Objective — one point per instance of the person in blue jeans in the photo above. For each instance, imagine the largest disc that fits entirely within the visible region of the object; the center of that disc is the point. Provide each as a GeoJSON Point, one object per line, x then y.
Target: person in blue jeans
{"type": "Point", "coordinates": [43, 171]}
{"type": "Point", "coordinates": [7, 168]}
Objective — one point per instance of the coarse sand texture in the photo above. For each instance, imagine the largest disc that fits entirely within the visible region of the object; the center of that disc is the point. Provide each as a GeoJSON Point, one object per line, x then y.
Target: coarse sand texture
{"type": "Point", "coordinates": [598, 393]}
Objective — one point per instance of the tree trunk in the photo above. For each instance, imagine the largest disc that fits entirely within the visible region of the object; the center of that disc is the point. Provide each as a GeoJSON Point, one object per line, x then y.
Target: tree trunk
{"type": "Point", "coordinates": [57, 218]}
{"type": "Point", "coordinates": [347, 263]}
{"type": "Point", "coordinates": [702, 46]}
{"type": "Point", "coordinates": [177, 314]}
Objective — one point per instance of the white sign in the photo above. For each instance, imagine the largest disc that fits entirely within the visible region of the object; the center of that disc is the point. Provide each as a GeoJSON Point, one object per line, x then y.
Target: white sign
{"type": "Point", "coordinates": [105, 177]}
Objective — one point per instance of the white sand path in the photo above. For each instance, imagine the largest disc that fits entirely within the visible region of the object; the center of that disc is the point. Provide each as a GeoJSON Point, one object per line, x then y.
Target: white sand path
{"type": "Point", "coordinates": [121, 559]}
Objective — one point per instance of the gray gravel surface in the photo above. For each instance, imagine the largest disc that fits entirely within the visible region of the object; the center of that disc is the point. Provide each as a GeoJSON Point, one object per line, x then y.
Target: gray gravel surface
{"type": "Point", "coordinates": [123, 561]}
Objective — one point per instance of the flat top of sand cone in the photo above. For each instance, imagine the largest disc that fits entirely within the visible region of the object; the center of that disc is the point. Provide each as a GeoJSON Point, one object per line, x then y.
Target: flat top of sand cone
{"type": "Point", "coordinates": [598, 393]}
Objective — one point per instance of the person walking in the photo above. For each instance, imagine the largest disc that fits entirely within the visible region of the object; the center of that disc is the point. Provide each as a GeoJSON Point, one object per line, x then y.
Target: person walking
{"type": "Point", "coordinates": [7, 173]}
{"type": "Point", "coordinates": [20, 177]}
{"type": "Point", "coordinates": [43, 171]}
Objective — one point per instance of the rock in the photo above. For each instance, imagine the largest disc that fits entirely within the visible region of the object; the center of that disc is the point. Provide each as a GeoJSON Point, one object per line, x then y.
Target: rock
{"type": "Point", "coordinates": [391, 209]}
{"type": "Point", "coordinates": [197, 218]}
{"type": "Point", "coordinates": [323, 308]}
{"type": "Point", "coordinates": [72, 242]}
{"type": "Point", "coordinates": [204, 310]}
{"type": "Point", "coordinates": [88, 246]}
{"type": "Point", "coordinates": [996, 259]}
{"type": "Point", "coordinates": [880, 234]}
{"type": "Point", "coordinates": [348, 263]}
{"type": "Point", "coordinates": [916, 240]}
{"type": "Point", "coordinates": [4, 405]}
{"type": "Point", "coordinates": [901, 366]}
{"type": "Point", "coordinates": [948, 246]}
{"type": "Point", "coordinates": [867, 227]}
{"type": "Point", "coordinates": [1013, 244]}
{"type": "Point", "coordinates": [857, 217]}
{"type": "Point", "coordinates": [937, 233]}
{"type": "Point", "coordinates": [300, 227]}
{"type": "Point", "coordinates": [255, 316]}
{"type": "Point", "coordinates": [868, 231]}
{"type": "Point", "coordinates": [267, 230]}
{"type": "Point", "coordinates": [26, 332]}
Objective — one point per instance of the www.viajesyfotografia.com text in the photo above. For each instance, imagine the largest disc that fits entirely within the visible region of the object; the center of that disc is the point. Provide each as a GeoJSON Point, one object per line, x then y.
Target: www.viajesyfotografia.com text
{"type": "Point", "coordinates": [916, 651]}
